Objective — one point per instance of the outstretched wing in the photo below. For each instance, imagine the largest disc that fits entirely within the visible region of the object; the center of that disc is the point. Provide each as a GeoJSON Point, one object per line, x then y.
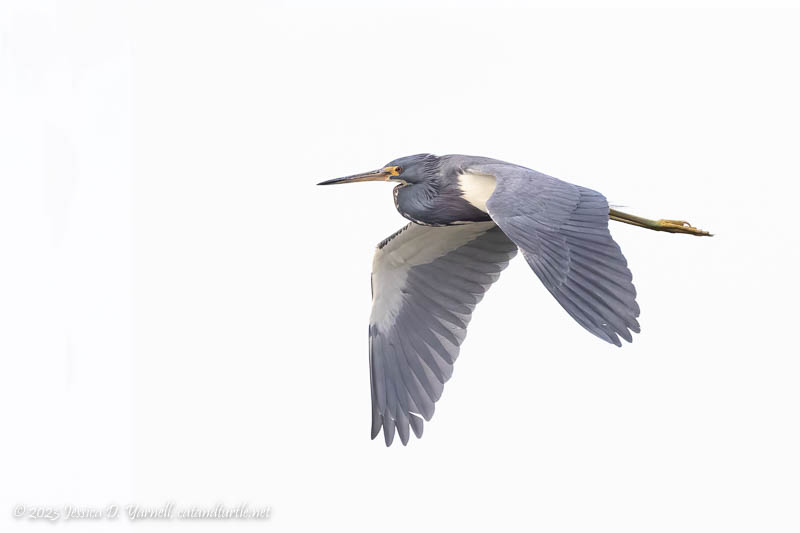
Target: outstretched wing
{"type": "Point", "coordinates": [562, 230]}
{"type": "Point", "coordinates": [425, 283]}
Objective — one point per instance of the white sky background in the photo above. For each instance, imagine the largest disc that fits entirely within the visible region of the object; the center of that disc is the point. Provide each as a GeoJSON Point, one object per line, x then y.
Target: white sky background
{"type": "Point", "coordinates": [183, 314]}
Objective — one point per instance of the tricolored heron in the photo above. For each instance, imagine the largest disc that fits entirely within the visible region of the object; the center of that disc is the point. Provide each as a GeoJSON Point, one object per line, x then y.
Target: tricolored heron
{"type": "Point", "coordinates": [469, 215]}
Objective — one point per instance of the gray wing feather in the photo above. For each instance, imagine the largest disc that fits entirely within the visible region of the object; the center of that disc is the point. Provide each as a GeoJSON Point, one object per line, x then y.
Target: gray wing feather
{"type": "Point", "coordinates": [562, 230]}
{"type": "Point", "coordinates": [425, 282]}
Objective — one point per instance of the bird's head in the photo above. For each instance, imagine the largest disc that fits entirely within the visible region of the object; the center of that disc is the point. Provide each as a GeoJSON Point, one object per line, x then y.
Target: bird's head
{"type": "Point", "coordinates": [409, 170]}
{"type": "Point", "coordinates": [427, 190]}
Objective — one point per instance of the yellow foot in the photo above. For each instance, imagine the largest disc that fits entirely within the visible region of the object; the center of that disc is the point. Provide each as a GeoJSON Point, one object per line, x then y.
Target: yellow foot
{"type": "Point", "coordinates": [680, 226]}
{"type": "Point", "coordinates": [671, 226]}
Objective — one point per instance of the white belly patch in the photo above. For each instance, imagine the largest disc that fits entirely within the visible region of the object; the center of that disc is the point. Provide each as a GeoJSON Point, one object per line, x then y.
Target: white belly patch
{"type": "Point", "coordinates": [477, 188]}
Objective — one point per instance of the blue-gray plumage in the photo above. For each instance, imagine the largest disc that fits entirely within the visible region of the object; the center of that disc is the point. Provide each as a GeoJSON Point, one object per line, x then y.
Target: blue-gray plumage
{"type": "Point", "coordinates": [469, 216]}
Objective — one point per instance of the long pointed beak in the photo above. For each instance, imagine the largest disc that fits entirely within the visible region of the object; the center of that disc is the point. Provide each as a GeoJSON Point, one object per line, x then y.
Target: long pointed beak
{"type": "Point", "coordinates": [384, 174]}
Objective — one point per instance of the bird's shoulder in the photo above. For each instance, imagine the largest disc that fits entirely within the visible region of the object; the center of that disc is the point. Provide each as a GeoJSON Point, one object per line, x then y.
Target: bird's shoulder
{"type": "Point", "coordinates": [516, 189]}
{"type": "Point", "coordinates": [511, 174]}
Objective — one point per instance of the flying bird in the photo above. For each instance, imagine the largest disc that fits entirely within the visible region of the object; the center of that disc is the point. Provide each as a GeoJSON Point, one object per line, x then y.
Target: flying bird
{"type": "Point", "coordinates": [468, 217]}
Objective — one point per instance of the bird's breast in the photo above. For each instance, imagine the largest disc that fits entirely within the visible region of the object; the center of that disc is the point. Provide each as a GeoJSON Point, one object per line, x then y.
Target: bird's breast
{"type": "Point", "coordinates": [476, 188]}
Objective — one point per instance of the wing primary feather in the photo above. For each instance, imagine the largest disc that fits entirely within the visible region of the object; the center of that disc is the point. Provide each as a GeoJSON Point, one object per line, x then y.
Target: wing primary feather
{"type": "Point", "coordinates": [416, 425]}
{"type": "Point", "coordinates": [562, 230]}
{"type": "Point", "coordinates": [426, 282]}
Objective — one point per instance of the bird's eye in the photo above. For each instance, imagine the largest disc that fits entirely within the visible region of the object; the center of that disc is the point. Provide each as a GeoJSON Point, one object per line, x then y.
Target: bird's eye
{"type": "Point", "coordinates": [398, 169]}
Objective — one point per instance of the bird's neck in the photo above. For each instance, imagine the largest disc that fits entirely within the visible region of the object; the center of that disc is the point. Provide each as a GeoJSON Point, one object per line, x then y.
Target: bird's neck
{"type": "Point", "coordinates": [436, 203]}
